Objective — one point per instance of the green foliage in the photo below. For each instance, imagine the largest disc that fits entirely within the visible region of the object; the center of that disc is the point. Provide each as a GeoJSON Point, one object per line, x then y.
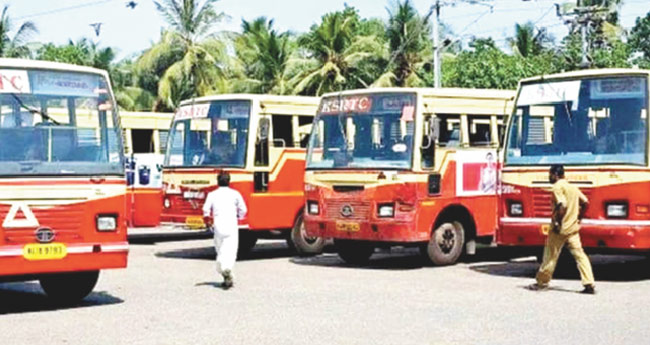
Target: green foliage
{"type": "Point", "coordinates": [409, 46]}
{"type": "Point", "coordinates": [486, 66]}
{"type": "Point", "coordinates": [639, 39]}
{"type": "Point", "coordinates": [335, 54]}
{"type": "Point", "coordinates": [16, 46]}
{"type": "Point", "coordinates": [343, 51]}
{"type": "Point", "coordinates": [190, 55]}
{"type": "Point", "coordinates": [264, 55]}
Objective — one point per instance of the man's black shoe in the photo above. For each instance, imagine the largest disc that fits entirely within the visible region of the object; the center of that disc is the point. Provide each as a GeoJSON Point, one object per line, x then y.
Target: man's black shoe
{"type": "Point", "coordinates": [589, 290]}
{"type": "Point", "coordinates": [537, 287]}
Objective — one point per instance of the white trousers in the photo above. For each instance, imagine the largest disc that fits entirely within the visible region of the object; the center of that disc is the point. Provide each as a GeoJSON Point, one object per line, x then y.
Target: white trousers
{"type": "Point", "coordinates": [226, 248]}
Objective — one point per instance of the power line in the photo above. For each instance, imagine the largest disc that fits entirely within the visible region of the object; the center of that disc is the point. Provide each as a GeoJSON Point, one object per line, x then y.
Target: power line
{"type": "Point", "coordinates": [63, 9]}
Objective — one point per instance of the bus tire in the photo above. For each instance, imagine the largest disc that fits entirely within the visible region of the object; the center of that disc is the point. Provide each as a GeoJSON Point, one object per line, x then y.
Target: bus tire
{"type": "Point", "coordinates": [247, 240]}
{"type": "Point", "coordinates": [354, 252]}
{"type": "Point", "coordinates": [446, 244]}
{"type": "Point", "coordinates": [69, 288]}
{"type": "Point", "coordinates": [302, 244]}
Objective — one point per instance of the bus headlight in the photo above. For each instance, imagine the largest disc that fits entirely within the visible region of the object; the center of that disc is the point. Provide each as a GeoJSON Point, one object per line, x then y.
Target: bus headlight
{"type": "Point", "coordinates": [106, 223]}
{"type": "Point", "coordinates": [312, 207]}
{"type": "Point", "coordinates": [617, 210]}
{"type": "Point", "coordinates": [167, 203]}
{"type": "Point", "coordinates": [386, 210]}
{"type": "Point", "coordinates": [516, 208]}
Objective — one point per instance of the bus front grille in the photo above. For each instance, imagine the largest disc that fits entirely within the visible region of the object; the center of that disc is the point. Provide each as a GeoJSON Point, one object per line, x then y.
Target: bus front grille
{"type": "Point", "coordinates": [347, 209]}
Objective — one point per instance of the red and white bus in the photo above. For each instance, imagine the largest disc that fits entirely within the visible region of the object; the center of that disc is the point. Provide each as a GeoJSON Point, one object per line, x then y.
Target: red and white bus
{"type": "Point", "coordinates": [261, 141]}
{"type": "Point", "coordinates": [595, 123]}
{"type": "Point", "coordinates": [62, 185]}
{"type": "Point", "coordinates": [405, 167]}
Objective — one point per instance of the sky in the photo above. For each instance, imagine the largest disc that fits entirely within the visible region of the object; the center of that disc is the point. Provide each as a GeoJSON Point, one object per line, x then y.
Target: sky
{"type": "Point", "coordinates": [133, 30]}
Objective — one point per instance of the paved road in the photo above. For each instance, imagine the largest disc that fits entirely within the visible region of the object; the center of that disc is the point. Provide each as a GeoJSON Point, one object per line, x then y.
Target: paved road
{"type": "Point", "coordinates": [170, 295]}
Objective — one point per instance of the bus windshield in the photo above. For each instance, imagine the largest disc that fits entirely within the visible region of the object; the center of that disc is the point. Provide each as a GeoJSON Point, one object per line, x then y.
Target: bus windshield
{"type": "Point", "coordinates": [57, 122]}
{"type": "Point", "coordinates": [209, 134]}
{"type": "Point", "coordinates": [366, 131]}
{"type": "Point", "coordinates": [580, 122]}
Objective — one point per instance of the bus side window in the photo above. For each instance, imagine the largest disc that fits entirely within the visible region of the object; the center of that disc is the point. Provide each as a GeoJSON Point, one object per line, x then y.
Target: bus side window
{"type": "Point", "coordinates": [428, 144]}
{"type": "Point", "coordinates": [479, 131]}
{"type": "Point", "coordinates": [449, 130]}
{"type": "Point", "coordinates": [262, 142]}
{"type": "Point", "coordinates": [282, 131]}
{"type": "Point", "coordinates": [304, 129]}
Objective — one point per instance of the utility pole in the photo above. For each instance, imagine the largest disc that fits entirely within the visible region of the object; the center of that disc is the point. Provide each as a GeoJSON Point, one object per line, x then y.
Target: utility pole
{"type": "Point", "coordinates": [437, 46]}
{"type": "Point", "coordinates": [582, 17]}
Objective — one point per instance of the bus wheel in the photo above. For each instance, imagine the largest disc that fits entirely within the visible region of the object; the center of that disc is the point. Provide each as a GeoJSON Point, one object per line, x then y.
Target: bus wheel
{"type": "Point", "coordinates": [446, 244]}
{"type": "Point", "coordinates": [68, 288]}
{"type": "Point", "coordinates": [303, 244]}
{"type": "Point", "coordinates": [354, 252]}
{"type": "Point", "coordinates": [247, 241]}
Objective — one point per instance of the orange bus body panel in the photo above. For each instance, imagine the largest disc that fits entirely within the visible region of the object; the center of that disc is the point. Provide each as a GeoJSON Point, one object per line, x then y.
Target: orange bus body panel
{"type": "Point", "coordinates": [415, 210]}
{"type": "Point", "coordinates": [596, 230]}
{"type": "Point", "coordinates": [73, 223]}
{"type": "Point", "coordinates": [274, 209]}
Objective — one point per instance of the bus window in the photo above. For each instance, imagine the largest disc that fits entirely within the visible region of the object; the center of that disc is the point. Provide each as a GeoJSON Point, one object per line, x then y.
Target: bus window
{"type": "Point", "coordinates": [142, 140]}
{"type": "Point", "coordinates": [304, 128]}
{"type": "Point", "coordinates": [479, 131]}
{"type": "Point", "coordinates": [428, 143]}
{"type": "Point", "coordinates": [449, 131]}
{"type": "Point", "coordinates": [282, 131]}
{"type": "Point", "coordinates": [262, 142]}
{"type": "Point", "coordinates": [163, 135]}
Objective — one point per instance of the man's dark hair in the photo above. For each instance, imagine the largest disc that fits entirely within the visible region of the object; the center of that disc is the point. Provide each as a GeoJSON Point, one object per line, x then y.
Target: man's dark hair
{"type": "Point", "coordinates": [557, 169]}
{"type": "Point", "coordinates": [223, 179]}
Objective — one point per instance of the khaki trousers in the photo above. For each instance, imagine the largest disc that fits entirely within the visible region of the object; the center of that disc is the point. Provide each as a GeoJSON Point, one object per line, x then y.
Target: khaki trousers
{"type": "Point", "coordinates": [554, 244]}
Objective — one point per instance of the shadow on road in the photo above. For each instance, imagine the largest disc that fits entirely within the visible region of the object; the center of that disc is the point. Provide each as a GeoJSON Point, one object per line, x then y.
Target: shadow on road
{"type": "Point", "coordinates": [615, 268]}
{"type": "Point", "coordinates": [28, 297]}
{"type": "Point", "coordinates": [212, 284]}
{"type": "Point", "coordinates": [153, 238]}
{"type": "Point", "coordinates": [401, 258]}
{"type": "Point", "coordinates": [261, 251]}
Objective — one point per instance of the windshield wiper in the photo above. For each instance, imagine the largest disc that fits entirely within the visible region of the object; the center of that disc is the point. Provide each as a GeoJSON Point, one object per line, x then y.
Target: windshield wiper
{"type": "Point", "coordinates": [34, 111]}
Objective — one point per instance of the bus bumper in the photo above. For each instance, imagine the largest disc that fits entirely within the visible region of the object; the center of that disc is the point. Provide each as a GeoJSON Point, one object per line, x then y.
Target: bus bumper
{"type": "Point", "coordinates": [379, 231]}
{"type": "Point", "coordinates": [594, 233]}
{"type": "Point", "coordinates": [80, 257]}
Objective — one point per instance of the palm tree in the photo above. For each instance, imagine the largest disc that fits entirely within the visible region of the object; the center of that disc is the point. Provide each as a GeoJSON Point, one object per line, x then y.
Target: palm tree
{"type": "Point", "coordinates": [527, 40]}
{"type": "Point", "coordinates": [14, 46]}
{"type": "Point", "coordinates": [407, 34]}
{"type": "Point", "coordinates": [265, 56]}
{"type": "Point", "coordinates": [194, 55]}
{"type": "Point", "coordinates": [335, 54]}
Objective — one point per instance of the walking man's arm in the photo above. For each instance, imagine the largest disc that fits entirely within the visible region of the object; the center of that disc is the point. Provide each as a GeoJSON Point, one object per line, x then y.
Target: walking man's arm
{"type": "Point", "coordinates": [241, 207]}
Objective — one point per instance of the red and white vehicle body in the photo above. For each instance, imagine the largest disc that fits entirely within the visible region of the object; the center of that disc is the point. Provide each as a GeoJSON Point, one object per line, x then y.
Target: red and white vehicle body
{"type": "Point", "coordinates": [595, 123]}
{"type": "Point", "coordinates": [62, 186]}
{"type": "Point", "coordinates": [404, 166]}
{"type": "Point", "coordinates": [261, 141]}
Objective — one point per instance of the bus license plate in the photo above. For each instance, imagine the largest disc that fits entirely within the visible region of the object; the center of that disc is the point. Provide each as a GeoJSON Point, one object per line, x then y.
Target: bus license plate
{"type": "Point", "coordinates": [195, 222]}
{"type": "Point", "coordinates": [45, 251]}
{"type": "Point", "coordinates": [349, 227]}
{"type": "Point", "coordinates": [545, 229]}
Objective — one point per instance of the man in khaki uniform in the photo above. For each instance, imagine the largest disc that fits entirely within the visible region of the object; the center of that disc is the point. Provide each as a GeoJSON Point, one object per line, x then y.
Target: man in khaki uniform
{"type": "Point", "coordinates": [568, 204]}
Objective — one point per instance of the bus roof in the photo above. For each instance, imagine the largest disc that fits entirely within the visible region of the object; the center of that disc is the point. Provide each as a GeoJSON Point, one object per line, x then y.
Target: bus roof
{"type": "Point", "coordinates": [589, 73]}
{"type": "Point", "coordinates": [40, 64]}
{"type": "Point", "coordinates": [434, 92]}
{"type": "Point", "coordinates": [261, 98]}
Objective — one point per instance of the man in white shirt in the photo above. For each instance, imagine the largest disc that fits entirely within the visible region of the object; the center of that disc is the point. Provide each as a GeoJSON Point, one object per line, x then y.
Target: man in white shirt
{"type": "Point", "coordinates": [225, 206]}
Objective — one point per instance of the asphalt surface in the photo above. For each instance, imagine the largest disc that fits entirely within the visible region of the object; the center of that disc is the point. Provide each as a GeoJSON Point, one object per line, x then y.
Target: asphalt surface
{"type": "Point", "coordinates": [170, 294]}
